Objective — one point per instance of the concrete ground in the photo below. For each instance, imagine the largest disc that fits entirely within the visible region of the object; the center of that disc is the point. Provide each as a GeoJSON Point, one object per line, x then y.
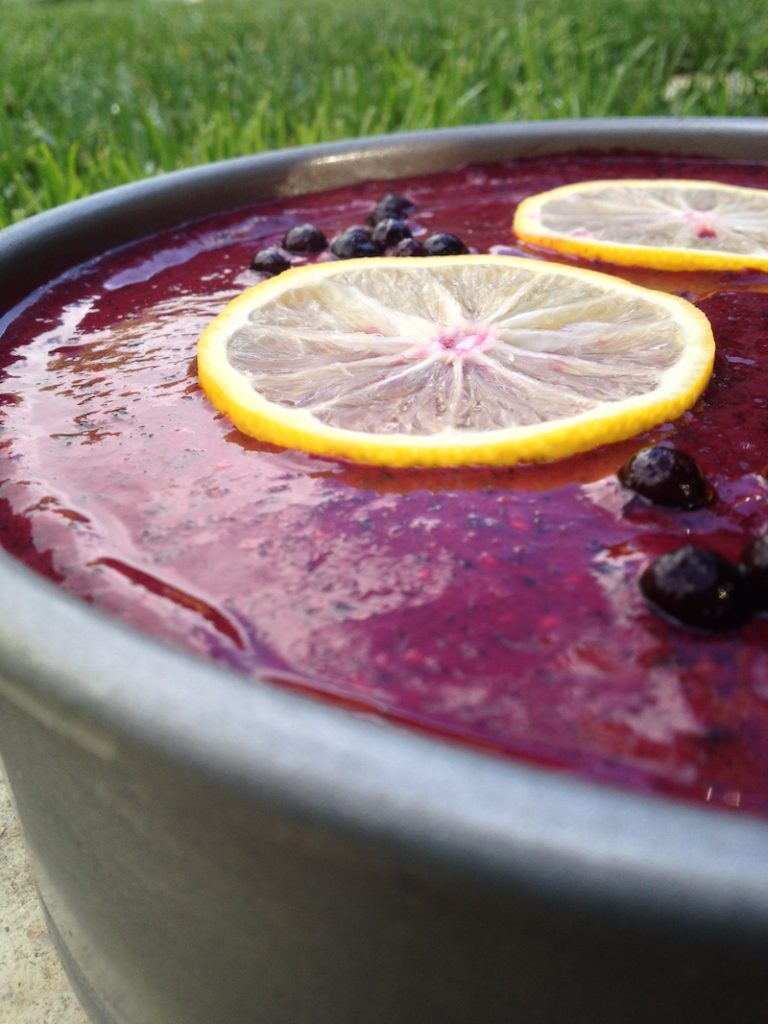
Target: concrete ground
{"type": "Point", "coordinates": [33, 987]}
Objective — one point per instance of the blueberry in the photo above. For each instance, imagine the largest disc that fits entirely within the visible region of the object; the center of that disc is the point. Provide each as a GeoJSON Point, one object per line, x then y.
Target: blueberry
{"type": "Point", "coordinates": [666, 476]}
{"type": "Point", "coordinates": [305, 238]}
{"type": "Point", "coordinates": [445, 245]}
{"type": "Point", "coordinates": [390, 207]}
{"type": "Point", "coordinates": [754, 562]}
{"type": "Point", "coordinates": [390, 231]}
{"type": "Point", "coordinates": [697, 587]}
{"type": "Point", "coordinates": [409, 247]}
{"type": "Point", "coordinates": [270, 261]}
{"type": "Point", "coordinates": [355, 242]}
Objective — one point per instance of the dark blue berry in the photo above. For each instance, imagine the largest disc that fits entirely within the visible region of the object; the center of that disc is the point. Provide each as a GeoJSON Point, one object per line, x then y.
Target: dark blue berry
{"type": "Point", "coordinates": [305, 238]}
{"type": "Point", "coordinates": [391, 207]}
{"type": "Point", "coordinates": [754, 563]}
{"type": "Point", "coordinates": [355, 242]}
{"type": "Point", "coordinates": [698, 588]}
{"type": "Point", "coordinates": [389, 232]}
{"type": "Point", "coordinates": [409, 247]}
{"type": "Point", "coordinates": [445, 245]}
{"type": "Point", "coordinates": [271, 261]}
{"type": "Point", "coordinates": [666, 476]}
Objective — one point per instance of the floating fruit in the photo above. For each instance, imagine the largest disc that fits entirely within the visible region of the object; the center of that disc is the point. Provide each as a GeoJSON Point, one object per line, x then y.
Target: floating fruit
{"type": "Point", "coordinates": [452, 360]}
{"type": "Point", "coordinates": [668, 224]}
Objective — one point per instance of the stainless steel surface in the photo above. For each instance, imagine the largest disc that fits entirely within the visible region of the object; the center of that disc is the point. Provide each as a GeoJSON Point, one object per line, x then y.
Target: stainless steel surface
{"type": "Point", "coordinates": [212, 849]}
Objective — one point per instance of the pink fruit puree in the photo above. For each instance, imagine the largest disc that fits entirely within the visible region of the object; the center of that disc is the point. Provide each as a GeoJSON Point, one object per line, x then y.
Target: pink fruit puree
{"type": "Point", "coordinates": [496, 606]}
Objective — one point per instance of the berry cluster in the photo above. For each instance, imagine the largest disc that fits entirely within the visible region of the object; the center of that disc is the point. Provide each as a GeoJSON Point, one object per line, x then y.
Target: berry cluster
{"type": "Point", "coordinates": [700, 588]}
{"type": "Point", "coordinates": [386, 232]}
{"type": "Point", "coordinates": [693, 585]}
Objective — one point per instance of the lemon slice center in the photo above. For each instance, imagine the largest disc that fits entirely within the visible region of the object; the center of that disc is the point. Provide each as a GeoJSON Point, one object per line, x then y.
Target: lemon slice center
{"type": "Point", "coordinates": [457, 345]}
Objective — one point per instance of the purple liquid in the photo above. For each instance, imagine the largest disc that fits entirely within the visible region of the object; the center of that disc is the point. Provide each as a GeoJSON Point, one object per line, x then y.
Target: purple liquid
{"type": "Point", "coordinates": [496, 606]}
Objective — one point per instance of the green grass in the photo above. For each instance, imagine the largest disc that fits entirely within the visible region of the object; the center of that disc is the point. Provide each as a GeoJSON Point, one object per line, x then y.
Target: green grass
{"type": "Point", "coordinates": [97, 93]}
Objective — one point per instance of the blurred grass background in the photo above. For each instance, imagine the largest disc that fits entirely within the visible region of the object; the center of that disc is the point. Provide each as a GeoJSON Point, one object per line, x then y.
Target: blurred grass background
{"type": "Point", "coordinates": [94, 93]}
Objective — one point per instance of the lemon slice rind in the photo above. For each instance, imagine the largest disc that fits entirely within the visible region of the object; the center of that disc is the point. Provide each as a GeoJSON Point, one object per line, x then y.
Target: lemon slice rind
{"type": "Point", "coordinates": [232, 391]}
{"type": "Point", "coordinates": [664, 206]}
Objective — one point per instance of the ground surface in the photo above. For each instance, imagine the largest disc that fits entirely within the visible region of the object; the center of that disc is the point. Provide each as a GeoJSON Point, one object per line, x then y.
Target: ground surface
{"type": "Point", "coordinates": [33, 988]}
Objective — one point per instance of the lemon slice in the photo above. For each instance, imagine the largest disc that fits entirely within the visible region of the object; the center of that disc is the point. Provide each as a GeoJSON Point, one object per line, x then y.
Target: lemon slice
{"type": "Point", "coordinates": [667, 224]}
{"type": "Point", "coordinates": [452, 360]}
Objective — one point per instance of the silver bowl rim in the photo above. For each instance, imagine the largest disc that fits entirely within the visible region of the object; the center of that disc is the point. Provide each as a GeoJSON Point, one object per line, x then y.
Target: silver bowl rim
{"type": "Point", "coordinates": [439, 805]}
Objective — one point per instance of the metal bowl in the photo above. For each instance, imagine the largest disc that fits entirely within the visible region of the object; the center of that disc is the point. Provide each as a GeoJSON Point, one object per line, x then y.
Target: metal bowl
{"type": "Point", "coordinates": [210, 849]}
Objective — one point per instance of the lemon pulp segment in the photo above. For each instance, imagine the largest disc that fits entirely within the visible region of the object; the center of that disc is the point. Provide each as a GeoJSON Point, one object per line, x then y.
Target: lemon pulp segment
{"type": "Point", "coordinates": [452, 360]}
